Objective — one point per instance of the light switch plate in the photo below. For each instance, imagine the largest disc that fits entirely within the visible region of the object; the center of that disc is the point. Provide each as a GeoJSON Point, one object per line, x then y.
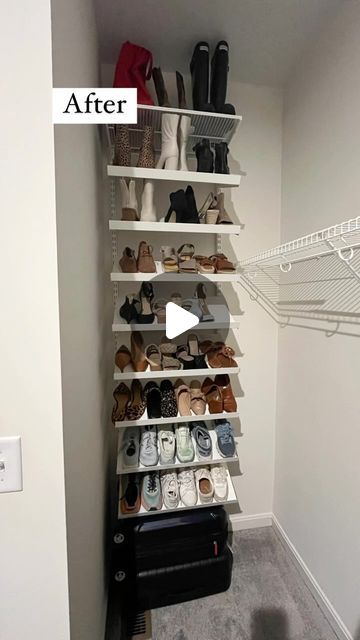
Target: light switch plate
{"type": "Point", "coordinates": [10, 464]}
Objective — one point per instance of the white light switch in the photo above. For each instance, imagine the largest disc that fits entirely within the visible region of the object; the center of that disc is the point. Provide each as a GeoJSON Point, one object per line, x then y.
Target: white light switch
{"type": "Point", "coordinates": [10, 464]}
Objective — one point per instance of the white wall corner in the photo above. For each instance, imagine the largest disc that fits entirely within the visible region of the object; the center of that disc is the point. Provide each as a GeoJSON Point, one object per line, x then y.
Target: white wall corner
{"type": "Point", "coordinates": [324, 603]}
{"type": "Point", "coordinates": [239, 522]}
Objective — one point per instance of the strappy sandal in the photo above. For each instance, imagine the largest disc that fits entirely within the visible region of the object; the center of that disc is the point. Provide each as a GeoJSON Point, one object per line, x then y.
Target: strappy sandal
{"type": "Point", "coordinates": [170, 363]}
{"type": "Point", "coordinates": [204, 207]}
{"type": "Point", "coordinates": [122, 398]}
{"type": "Point", "coordinates": [169, 259]}
{"type": "Point", "coordinates": [176, 298]}
{"type": "Point", "coordinates": [159, 308]}
{"type": "Point", "coordinates": [220, 356]}
{"type": "Point", "coordinates": [182, 354]}
{"type": "Point", "coordinates": [182, 393]}
{"type": "Point", "coordinates": [204, 264]}
{"type": "Point", "coordinates": [167, 347]}
{"type": "Point", "coordinates": [213, 396]}
{"type": "Point", "coordinates": [153, 357]}
{"type": "Point", "coordinates": [193, 348]}
{"type": "Point", "coordinates": [187, 264]}
{"type": "Point", "coordinates": [197, 398]}
{"type": "Point", "coordinates": [222, 264]}
{"type": "Point", "coordinates": [200, 295]}
{"type": "Point", "coordinates": [136, 407]}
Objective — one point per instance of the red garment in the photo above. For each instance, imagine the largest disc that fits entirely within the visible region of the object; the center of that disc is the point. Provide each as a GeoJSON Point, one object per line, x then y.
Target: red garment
{"type": "Point", "coordinates": [133, 69]}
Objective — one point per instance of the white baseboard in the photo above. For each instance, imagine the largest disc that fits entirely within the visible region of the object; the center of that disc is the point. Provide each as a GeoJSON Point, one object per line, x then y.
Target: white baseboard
{"type": "Point", "coordinates": [239, 522]}
{"type": "Point", "coordinates": [324, 603]}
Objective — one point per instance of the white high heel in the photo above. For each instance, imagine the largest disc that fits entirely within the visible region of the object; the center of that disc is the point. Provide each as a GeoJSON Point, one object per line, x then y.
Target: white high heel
{"type": "Point", "coordinates": [169, 148]}
{"type": "Point", "coordinates": [148, 212]}
{"type": "Point", "coordinates": [185, 129]}
{"type": "Point", "coordinates": [129, 205]}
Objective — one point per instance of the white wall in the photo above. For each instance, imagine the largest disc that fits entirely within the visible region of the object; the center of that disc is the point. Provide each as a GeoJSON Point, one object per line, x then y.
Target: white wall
{"type": "Point", "coordinates": [318, 436]}
{"type": "Point", "coordinates": [85, 300]}
{"type": "Point", "coordinates": [33, 574]}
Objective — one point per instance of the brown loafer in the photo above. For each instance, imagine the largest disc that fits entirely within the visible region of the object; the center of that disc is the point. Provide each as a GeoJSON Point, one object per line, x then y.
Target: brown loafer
{"type": "Point", "coordinates": [213, 396]}
{"type": "Point", "coordinates": [229, 402]}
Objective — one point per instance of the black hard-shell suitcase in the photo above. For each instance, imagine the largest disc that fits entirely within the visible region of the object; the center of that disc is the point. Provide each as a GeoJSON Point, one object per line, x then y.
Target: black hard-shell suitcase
{"type": "Point", "coordinates": [174, 538]}
{"type": "Point", "coordinates": [178, 583]}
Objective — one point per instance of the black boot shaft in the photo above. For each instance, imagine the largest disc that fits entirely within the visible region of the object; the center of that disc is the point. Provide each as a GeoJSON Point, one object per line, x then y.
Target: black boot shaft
{"type": "Point", "coordinates": [221, 153]}
{"type": "Point", "coordinates": [199, 69]}
{"type": "Point", "coordinates": [219, 75]}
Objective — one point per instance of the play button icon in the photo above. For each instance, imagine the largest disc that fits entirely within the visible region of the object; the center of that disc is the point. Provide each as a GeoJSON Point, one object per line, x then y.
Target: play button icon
{"type": "Point", "coordinates": [178, 320]}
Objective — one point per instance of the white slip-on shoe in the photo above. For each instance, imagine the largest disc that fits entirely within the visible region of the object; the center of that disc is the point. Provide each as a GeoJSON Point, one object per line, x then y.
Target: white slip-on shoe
{"type": "Point", "coordinates": [184, 445]}
{"type": "Point", "coordinates": [187, 487]}
{"type": "Point", "coordinates": [130, 447]}
{"type": "Point", "coordinates": [204, 485]}
{"type": "Point", "coordinates": [170, 489]}
{"type": "Point", "coordinates": [149, 455]}
{"type": "Point", "coordinates": [219, 478]}
{"type": "Point", "coordinates": [166, 440]}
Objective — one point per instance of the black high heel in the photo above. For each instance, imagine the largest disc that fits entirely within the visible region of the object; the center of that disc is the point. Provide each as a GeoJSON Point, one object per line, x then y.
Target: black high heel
{"type": "Point", "coordinates": [182, 207]}
{"type": "Point", "coordinates": [204, 156]}
{"type": "Point", "coordinates": [128, 310]}
{"type": "Point", "coordinates": [221, 154]}
{"type": "Point", "coordinates": [146, 315]}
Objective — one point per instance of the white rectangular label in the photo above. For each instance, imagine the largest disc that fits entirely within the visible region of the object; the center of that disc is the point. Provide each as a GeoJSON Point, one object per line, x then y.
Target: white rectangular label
{"type": "Point", "coordinates": [94, 106]}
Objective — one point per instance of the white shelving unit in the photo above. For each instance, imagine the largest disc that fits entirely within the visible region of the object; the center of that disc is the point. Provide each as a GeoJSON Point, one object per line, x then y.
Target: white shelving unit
{"type": "Point", "coordinates": [222, 320]}
{"type": "Point", "coordinates": [311, 282]}
{"type": "Point", "coordinates": [206, 417]}
{"type": "Point", "coordinates": [231, 499]}
{"type": "Point", "coordinates": [217, 128]}
{"type": "Point", "coordinates": [178, 373]}
{"type": "Point", "coordinates": [118, 276]}
{"type": "Point", "coordinates": [220, 179]}
{"type": "Point", "coordinates": [175, 227]}
{"type": "Point", "coordinates": [216, 459]}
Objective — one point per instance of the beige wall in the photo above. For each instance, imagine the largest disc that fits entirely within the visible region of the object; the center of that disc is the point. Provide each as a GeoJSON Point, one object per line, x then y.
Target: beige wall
{"type": "Point", "coordinates": [85, 323]}
{"type": "Point", "coordinates": [318, 436]}
{"type": "Point", "coordinates": [33, 574]}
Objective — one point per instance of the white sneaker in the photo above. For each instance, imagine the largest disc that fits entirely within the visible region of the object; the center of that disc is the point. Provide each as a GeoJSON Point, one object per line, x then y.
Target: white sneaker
{"type": "Point", "coordinates": [184, 445]}
{"type": "Point", "coordinates": [187, 486]}
{"type": "Point", "coordinates": [219, 478]}
{"type": "Point", "coordinates": [204, 485]}
{"type": "Point", "coordinates": [149, 455]}
{"type": "Point", "coordinates": [130, 447]}
{"type": "Point", "coordinates": [166, 440]}
{"type": "Point", "coordinates": [170, 489]}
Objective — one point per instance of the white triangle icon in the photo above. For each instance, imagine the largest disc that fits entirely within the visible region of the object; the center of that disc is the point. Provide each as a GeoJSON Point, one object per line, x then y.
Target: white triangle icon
{"type": "Point", "coordinates": [178, 320]}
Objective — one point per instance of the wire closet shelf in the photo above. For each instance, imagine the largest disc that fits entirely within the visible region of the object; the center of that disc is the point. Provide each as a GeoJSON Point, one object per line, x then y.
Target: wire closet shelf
{"type": "Point", "coordinates": [312, 282]}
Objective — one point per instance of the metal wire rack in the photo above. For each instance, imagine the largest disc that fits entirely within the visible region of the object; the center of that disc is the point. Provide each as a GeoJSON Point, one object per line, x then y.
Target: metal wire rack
{"type": "Point", "coordinates": [312, 282]}
{"type": "Point", "coordinates": [216, 127]}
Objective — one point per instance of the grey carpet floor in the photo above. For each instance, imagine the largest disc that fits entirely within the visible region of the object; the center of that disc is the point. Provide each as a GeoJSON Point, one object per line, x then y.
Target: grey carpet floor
{"type": "Point", "coordinates": [267, 600]}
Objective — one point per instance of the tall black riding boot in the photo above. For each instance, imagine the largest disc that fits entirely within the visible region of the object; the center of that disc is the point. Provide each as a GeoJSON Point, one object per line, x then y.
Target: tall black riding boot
{"type": "Point", "coordinates": [221, 153]}
{"type": "Point", "coordinates": [199, 68]}
{"type": "Point", "coordinates": [219, 73]}
{"type": "Point", "coordinates": [204, 156]}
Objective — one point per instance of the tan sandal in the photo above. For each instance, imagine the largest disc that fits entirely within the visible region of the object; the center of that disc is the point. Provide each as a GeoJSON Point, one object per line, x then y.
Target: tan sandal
{"type": "Point", "coordinates": [169, 259]}
{"type": "Point", "coordinates": [187, 264]}
{"type": "Point", "coordinates": [153, 357]}
{"type": "Point", "coordinates": [213, 396]}
{"type": "Point", "coordinates": [220, 356]}
{"type": "Point", "coordinates": [222, 264]}
{"type": "Point", "coordinates": [204, 264]}
{"type": "Point", "coordinates": [159, 308]}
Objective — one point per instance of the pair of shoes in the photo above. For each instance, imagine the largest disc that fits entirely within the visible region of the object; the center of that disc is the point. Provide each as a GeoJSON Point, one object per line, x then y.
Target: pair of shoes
{"type": "Point", "coordinates": [129, 403]}
{"type": "Point", "coordinates": [206, 162]}
{"type": "Point", "coordinates": [218, 354]}
{"type": "Point", "coordinates": [219, 394]}
{"type": "Point", "coordinates": [182, 207]}
{"type": "Point", "coordinates": [139, 308]}
{"type": "Point", "coordinates": [144, 262]}
{"type": "Point", "coordinates": [190, 399]}
{"type": "Point", "coordinates": [178, 487]}
{"type": "Point", "coordinates": [129, 203]}
{"type": "Point", "coordinates": [122, 151]}
{"type": "Point", "coordinates": [145, 491]}
{"type": "Point", "coordinates": [175, 129]}
{"type": "Point", "coordinates": [213, 210]}
{"type": "Point", "coordinates": [199, 69]}
{"type": "Point", "coordinates": [135, 359]}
